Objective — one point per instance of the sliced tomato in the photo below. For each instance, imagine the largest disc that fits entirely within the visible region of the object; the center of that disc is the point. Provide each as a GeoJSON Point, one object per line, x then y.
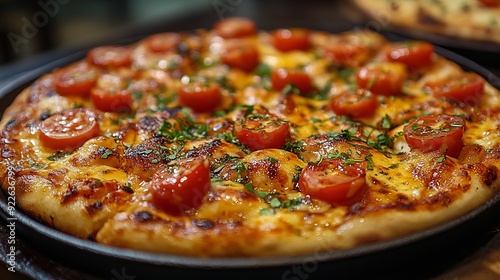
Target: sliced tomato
{"type": "Point", "coordinates": [163, 42]}
{"type": "Point", "coordinates": [467, 87]}
{"type": "Point", "coordinates": [181, 187]}
{"type": "Point", "coordinates": [110, 56]}
{"type": "Point", "coordinates": [414, 54]}
{"type": "Point", "coordinates": [442, 133]}
{"type": "Point", "coordinates": [490, 3]}
{"type": "Point", "coordinates": [69, 130]}
{"type": "Point", "coordinates": [75, 80]}
{"type": "Point", "coordinates": [201, 98]}
{"type": "Point", "coordinates": [240, 54]}
{"type": "Point", "coordinates": [282, 77]}
{"type": "Point", "coordinates": [262, 132]}
{"type": "Point", "coordinates": [334, 181]}
{"type": "Point", "coordinates": [347, 54]}
{"type": "Point", "coordinates": [235, 27]}
{"type": "Point", "coordinates": [292, 39]}
{"type": "Point", "coordinates": [360, 103]}
{"type": "Point", "coordinates": [111, 101]}
{"type": "Point", "coordinates": [382, 78]}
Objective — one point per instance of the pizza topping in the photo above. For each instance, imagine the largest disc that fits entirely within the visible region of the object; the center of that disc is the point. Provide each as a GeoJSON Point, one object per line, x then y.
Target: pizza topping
{"type": "Point", "coordinates": [490, 3]}
{"type": "Point", "coordinates": [235, 27]}
{"type": "Point", "coordinates": [283, 78]}
{"type": "Point", "coordinates": [292, 39]}
{"type": "Point", "coordinates": [360, 103]}
{"type": "Point", "coordinates": [414, 54]}
{"type": "Point", "coordinates": [334, 181]}
{"type": "Point", "coordinates": [109, 101]}
{"type": "Point", "coordinates": [110, 56]}
{"type": "Point", "coordinates": [465, 87]}
{"type": "Point", "coordinates": [201, 98]}
{"type": "Point", "coordinates": [182, 187]}
{"type": "Point", "coordinates": [382, 78]}
{"type": "Point", "coordinates": [163, 42]}
{"type": "Point", "coordinates": [75, 80]}
{"type": "Point", "coordinates": [346, 53]}
{"type": "Point", "coordinates": [240, 54]}
{"type": "Point", "coordinates": [262, 131]}
{"type": "Point", "coordinates": [441, 133]}
{"type": "Point", "coordinates": [69, 130]}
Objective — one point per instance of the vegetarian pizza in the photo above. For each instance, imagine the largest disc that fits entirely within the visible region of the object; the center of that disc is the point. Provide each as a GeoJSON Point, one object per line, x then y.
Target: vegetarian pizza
{"type": "Point", "coordinates": [477, 20]}
{"type": "Point", "coordinates": [233, 141]}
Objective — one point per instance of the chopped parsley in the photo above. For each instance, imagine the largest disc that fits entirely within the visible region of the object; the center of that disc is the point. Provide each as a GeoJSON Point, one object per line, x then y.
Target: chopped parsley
{"type": "Point", "coordinates": [106, 153]}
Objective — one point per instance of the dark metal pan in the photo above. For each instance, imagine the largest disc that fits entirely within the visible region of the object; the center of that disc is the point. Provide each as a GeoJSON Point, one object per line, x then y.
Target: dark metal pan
{"type": "Point", "coordinates": [423, 253]}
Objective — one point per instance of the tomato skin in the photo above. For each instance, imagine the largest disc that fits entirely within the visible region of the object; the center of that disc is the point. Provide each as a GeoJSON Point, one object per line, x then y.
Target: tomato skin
{"type": "Point", "coordinates": [442, 133]}
{"type": "Point", "coordinates": [282, 77]}
{"type": "Point", "coordinates": [358, 104]}
{"type": "Point", "coordinates": [183, 188]}
{"type": "Point", "coordinates": [110, 56]}
{"type": "Point", "coordinates": [490, 3]}
{"type": "Point", "coordinates": [347, 54]}
{"type": "Point", "coordinates": [163, 42]}
{"type": "Point", "coordinates": [75, 80]}
{"type": "Point", "coordinates": [105, 100]}
{"type": "Point", "coordinates": [69, 130]}
{"type": "Point", "coordinates": [199, 97]}
{"type": "Point", "coordinates": [259, 134]}
{"type": "Point", "coordinates": [414, 54]}
{"type": "Point", "coordinates": [334, 181]}
{"type": "Point", "coordinates": [382, 78]}
{"type": "Point", "coordinates": [235, 28]}
{"type": "Point", "coordinates": [287, 40]}
{"type": "Point", "coordinates": [466, 87]}
{"type": "Point", "coordinates": [241, 55]}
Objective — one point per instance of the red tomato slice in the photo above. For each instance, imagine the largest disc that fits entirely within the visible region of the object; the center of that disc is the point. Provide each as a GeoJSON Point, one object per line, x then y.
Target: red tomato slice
{"type": "Point", "coordinates": [69, 130]}
{"type": "Point", "coordinates": [361, 103]}
{"type": "Point", "coordinates": [75, 80]}
{"type": "Point", "coordinates": [382, 78]}
{"type": "Point", "coordinates": [111, 101]}
{"type": "Point", "coordinates": [235, 27]}
{"type": "Point", "coordinates": [282, 77]}
{"type": "Point", "coordinates": [163, 42]}
{"type": "Point", "coordinates": [347, 54]}
{"type": "Point", "coordinates": [490, 3]}
{"type": "Point", "coordinates": [199, 97]}
{"type": "Point", "coordinates": [292, 39]}
{"type": "Point", "coordinates": [334, 181]}
{"type": "Point", "coordinates": [110, 56]}
{"type": "Point", "coordinates": [240, 54]}
{"type": "Point", "coordinates": [180, 188]}
{"type": "Point", "coordinates": [442, 133]}
{"type": "Point", "coordinates": [414, 54]}
{"type": "Point", "coordinates": [264, 132]}
{"type": "Point", "coordinates": [467, 87]}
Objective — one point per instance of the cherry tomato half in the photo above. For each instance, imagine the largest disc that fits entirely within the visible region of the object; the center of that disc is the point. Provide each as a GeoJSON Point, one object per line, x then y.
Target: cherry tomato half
{"type": "Point", "coordinates": [163, 42]}
{"type": "Point", "coordinates": [75, 80]}
{"type": "Point", "coordinates": [490, 3]}
{"type": "Point", "coordinates": [442, 133]}
{"type": "Point", "coordinates": [264, 132]}
{"type": "Point", "coordinates": [69, 130]}
{"type": "Point", "coordinates": [414, 54]}
{"type": "Point", "coordinates": [462, 87]}
{"type": "Point", "coordinates": [358, 104]}
{"type": "Point", "coordinates": [382, 78]}
{"type": "Point", "coordinates": [111, 101]}
{"type": "Point", "coordinates": [282, 77]}
{"type": "Point", "coordinates": [235, 28]}
{"type": "Point", "coordinates": [334, 181]}
{"type": "Point", "coordinates": [199, 97]}
{"type": "Point", "coordinates": [110, 56]}
{"type": "Point", "coordinates": [240, 54]}
{"type": "Point", "coordinates": [182, 187]}
{"type": "Point", "coordinates": [292, 39]}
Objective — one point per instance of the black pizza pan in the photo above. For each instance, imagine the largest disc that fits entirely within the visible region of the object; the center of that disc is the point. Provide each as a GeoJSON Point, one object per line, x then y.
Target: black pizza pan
{"type": "Point", "coordinates": [424, 253]}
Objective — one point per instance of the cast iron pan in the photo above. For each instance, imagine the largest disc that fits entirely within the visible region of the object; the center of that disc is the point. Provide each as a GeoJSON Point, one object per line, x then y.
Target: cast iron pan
{"type": "Point", "coordinates": [423, 253]}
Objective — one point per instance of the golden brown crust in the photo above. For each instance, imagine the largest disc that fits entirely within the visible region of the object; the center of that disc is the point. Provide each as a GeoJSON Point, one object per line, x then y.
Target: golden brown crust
{"type": "Point", "coordinates": [254, 205]}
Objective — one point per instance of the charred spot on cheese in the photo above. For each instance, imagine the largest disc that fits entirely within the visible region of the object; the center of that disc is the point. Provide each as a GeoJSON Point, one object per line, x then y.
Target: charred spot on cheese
{"type": "Point", "coordinates": [148, 124]}
{"type": "Point", "coordinates": [143, 159]}
{"type": "Point", "coordinates": [142, 216]}
{"type": "Point", "coordinates": [88, 188]}
{"type": "Point", "coordinates": [203, 223]}
{"type": "Point", "coordinates": [93, 207]}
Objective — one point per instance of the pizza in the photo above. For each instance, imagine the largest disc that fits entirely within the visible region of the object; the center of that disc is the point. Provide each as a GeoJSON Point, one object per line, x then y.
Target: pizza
{"type": "Point", "coordinates": [233, 141]}
{"type": "Point", "coordinates": [476, 20]}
